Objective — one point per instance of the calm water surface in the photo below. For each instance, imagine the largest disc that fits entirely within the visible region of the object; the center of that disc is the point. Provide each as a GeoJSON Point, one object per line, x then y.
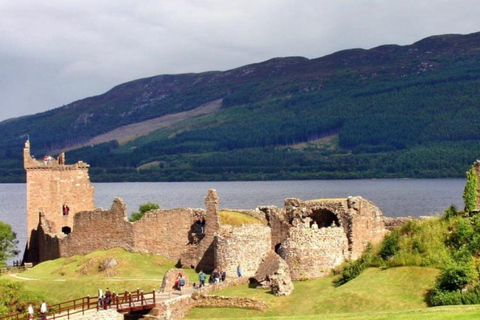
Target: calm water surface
{"type": "Point", "coordinates": [394, 197]}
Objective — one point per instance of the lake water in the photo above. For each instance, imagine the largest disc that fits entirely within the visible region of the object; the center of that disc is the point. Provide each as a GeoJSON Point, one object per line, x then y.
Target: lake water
{"type": "Point", "coordinates": [395, 197]}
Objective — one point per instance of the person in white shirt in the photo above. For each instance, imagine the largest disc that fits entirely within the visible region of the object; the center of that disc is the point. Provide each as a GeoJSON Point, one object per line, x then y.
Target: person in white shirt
{"type": "Point", "coordinates": [30, 311]}
{"type": "Point", "coordinates": [43, 310]}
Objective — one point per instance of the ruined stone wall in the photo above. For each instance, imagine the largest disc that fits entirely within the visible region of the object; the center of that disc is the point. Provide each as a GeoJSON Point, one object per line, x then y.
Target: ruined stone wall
{"type": "Point", "coordinates": [312, 253]}
{"type": "Point", "coordinates": [360, 219]}
{"type": "Point", "coordinates": [245, 245]}
{"type": "Point", "coordinates": [199, 252]}
{"type": "Point", "coordinates": [279, 224]}
{"type": "Point", "coordinates": [49, 187]}
{"type": "Point", "coordinates": [94, 230]}
{"type": "Point", "coordinates": [367, 225]}
{"type": "Point", "coordinates": [165, 232]}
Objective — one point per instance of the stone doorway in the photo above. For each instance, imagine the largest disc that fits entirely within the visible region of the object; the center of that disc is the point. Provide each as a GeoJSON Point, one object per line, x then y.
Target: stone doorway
{"type": "Point", "coordinates": [324, 218]}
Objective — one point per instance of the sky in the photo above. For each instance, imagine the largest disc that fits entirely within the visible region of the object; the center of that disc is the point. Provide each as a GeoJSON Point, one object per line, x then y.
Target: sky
{"type": "Point", "coordinates": [55, 52]}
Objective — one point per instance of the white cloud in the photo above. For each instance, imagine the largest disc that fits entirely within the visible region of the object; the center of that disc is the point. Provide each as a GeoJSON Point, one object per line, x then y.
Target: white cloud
{"type": "Point", "coordinates": [55, 52]}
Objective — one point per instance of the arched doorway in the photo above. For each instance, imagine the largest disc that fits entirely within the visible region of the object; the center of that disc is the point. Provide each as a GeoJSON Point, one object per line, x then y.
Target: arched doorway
{"type": "Point", "coordinates": [325, 218]}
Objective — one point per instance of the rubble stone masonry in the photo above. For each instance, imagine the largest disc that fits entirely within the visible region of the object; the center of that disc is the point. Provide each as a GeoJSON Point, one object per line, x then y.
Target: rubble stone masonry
{"type": "Point", "coordinates": [245, 245]}
{"type": "Point", "coordinates": [312, 253]}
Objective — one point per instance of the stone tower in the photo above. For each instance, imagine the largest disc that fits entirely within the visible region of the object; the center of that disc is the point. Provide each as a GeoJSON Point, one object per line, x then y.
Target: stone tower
{"type": "Point", "coordinates": [50, 185]}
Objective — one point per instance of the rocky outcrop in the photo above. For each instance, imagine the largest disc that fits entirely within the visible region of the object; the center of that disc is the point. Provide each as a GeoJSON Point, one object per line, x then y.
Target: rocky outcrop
{"type": "Point", "coordinates": [274, 272]}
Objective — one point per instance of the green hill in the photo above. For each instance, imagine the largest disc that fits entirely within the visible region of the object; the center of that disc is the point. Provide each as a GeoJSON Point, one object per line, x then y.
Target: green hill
{"type": "Point", "coordinates": [390, 111]}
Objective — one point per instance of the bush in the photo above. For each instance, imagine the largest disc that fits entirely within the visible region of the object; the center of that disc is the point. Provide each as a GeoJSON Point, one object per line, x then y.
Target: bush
{"type": "Point", "coordinates": [470, 193]}
{"type": "Point", "coordinates": [456, 277]}
{"type": "Point", "coordinates": [143, 209]}
{"type": "Point", "coordinates": [13, 298]}
{"type": "Point", "coordinates": [438, 297]}
{"type": "Point", "coordinates": [451, 212]}
{"type": "Point", "coordinates": [390, 245]}
{"type": "Point", "coordinates": [353, 269]}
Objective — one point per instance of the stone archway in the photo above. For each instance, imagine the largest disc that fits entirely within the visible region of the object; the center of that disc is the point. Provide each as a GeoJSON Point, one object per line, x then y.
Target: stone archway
{"type": "Point", "coordinates": [324, 218]}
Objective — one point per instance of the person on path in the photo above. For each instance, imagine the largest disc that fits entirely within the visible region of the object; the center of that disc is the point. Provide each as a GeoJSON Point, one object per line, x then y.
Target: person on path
{"type": "Point", "coordinates": [216, 276]}
{"type": "Point", "coordinates": [201, 277]}
{"type": "Point", "coordinates": [30, 311]}
{"type": "Point", "coordinates": [181, 284]}
{"type": "Point", "coordinates": [100, 297]}
{"type": "Point", "coordinates": [108, 298]}
{"type": "Point", "coordinates": [43, 310]}
{"type": "Point", "coordinates": [224, 275]}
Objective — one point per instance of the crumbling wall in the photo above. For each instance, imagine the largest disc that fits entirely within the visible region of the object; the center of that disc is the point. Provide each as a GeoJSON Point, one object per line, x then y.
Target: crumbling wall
{"type": "Point", "coordinates": [312, 253]}
{"type": "Point", "coordinates": [360, 219]}
{"type": "Point", "coordinates": [165, 232]}
{"type": "Point", "coordinates": [50, 185]}
{"type": "Point", "coordinates": [94, 230]}
{"type": "Point", "coordinates": [278, 222]}
{"type": "Point", "coordinates": [199, 251]}
{"type": "Point", "coordinates": [367, 225]}
{"type": "Point", "coordinates": [245, 245]}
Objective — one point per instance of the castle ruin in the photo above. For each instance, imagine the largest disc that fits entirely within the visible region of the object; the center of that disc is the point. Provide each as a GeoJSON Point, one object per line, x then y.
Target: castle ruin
{"type": "Point", "coordinates": [311, 236]}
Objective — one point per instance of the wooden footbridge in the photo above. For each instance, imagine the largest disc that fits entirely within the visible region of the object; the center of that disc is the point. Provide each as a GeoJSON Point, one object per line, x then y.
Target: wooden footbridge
{"type": "Point", "coordinates": [124, 303]}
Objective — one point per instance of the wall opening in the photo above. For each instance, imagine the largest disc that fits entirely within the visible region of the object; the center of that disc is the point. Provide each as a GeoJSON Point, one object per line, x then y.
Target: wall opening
{"type": "Point", "coordinates": [277, 248]}
{"type": "Point", "coordinates": [324, 218]}
{"type": "Point", "coordinates": [66, 230]}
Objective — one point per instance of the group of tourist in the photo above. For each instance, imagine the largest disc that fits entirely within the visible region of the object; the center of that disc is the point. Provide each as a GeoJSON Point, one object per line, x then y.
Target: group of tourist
{"type": "Point", "coordinates": [216, 277]}
{"type": "Point", "coordinates": [43, 311]}
{"type": "Point", "coordinates": [104, 299]}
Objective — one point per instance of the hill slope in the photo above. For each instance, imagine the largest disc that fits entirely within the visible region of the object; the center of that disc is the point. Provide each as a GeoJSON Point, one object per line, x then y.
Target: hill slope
{"type": "Point", "coordinates": [391, 111]}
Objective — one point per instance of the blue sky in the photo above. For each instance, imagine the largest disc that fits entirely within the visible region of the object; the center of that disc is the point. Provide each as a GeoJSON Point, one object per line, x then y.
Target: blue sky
{"type": "Point", "coordinates": [56, 52]}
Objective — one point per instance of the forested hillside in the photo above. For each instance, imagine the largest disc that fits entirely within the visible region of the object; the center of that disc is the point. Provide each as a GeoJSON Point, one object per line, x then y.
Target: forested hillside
{"type": "Point", "coordinates": [391, 111]}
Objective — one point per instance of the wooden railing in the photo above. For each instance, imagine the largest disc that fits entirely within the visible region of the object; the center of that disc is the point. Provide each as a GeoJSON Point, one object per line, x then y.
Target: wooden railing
{"type": "Point", "coordinates": [123, 303]}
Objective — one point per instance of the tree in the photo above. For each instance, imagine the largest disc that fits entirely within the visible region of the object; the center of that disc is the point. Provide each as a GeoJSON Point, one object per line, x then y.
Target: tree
{"type": "Point", "coordinates": [143, 209]}
{"type": "Point", "coordinates": [8, 243]}
{"type": "Point", "coordinates": [470, 193]}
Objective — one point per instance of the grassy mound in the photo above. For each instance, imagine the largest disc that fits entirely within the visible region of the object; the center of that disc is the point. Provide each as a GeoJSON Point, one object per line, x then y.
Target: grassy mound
{"type": "Point", "coordinates": [74, 277]}
{"type": "Point", "coordinates": [235, 218]}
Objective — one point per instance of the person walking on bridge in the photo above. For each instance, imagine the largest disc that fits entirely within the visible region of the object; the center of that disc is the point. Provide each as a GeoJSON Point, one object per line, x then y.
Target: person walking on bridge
{"type": "Point", "coordinates": [43, 310]}
{"type": "Point", "coordinates": [30, 311]}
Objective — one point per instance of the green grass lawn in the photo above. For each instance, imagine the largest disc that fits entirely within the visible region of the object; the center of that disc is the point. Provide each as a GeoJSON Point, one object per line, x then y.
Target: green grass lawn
{"type": "Point", "coordinates": [391, 290]}
{"type": "Point", "coordinates": [438, 313]}
{"type": "Point", "coordinates": [395, 293]}
{"type": "Point", "coordinates": [78, 276]}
